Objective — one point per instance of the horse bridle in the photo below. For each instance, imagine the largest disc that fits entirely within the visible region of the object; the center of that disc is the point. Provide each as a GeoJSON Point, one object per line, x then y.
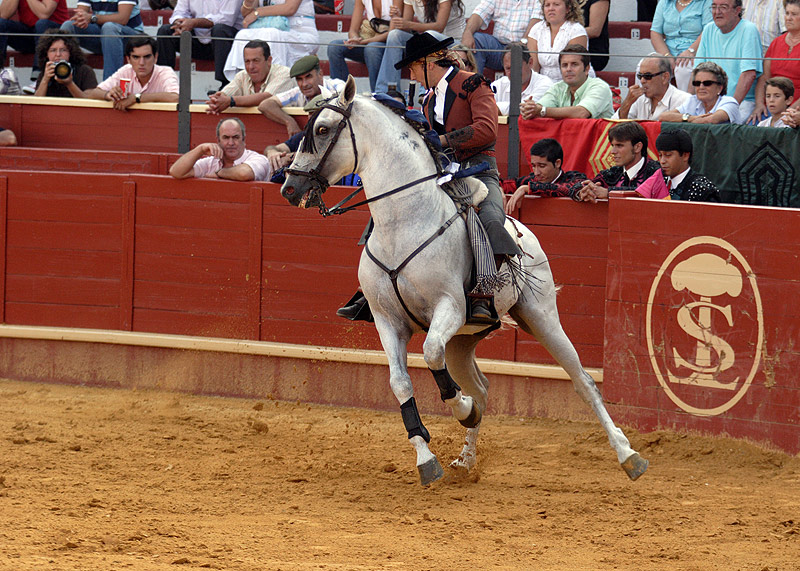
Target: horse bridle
{"type": "Point", "coordinates": [318, 182]}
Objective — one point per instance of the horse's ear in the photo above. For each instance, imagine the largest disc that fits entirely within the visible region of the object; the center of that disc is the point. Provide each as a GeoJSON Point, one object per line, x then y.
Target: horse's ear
{"type": "Point", "coordinates": [348, 93]}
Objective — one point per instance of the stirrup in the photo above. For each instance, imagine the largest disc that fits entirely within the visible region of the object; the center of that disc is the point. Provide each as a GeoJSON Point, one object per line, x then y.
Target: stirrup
{"type": "Point", "coordinates": [357, 309]}
{"type": "Point", "coordinates": [489, 319]}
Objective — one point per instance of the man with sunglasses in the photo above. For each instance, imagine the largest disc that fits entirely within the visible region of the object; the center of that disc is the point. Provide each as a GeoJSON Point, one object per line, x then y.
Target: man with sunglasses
{"type": "Point", "coordinates": [646, 102]}
{"type": "Point", "coordinates": [735, 45]}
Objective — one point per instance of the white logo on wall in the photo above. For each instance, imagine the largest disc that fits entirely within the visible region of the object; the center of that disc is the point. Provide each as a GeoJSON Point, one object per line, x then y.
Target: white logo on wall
{"type": "Point", "coordinates": [705, 326]}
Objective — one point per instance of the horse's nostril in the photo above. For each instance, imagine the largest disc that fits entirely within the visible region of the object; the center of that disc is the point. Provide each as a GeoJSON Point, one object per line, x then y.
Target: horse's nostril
{"type": "Point", "coordinates": [288, 191]}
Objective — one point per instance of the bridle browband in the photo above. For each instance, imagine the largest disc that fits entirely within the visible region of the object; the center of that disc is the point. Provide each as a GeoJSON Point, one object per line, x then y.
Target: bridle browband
{"type": "Point", "coordinates": [319, 183]}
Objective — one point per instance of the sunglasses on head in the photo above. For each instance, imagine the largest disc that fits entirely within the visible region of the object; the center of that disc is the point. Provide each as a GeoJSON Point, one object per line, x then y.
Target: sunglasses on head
{"type": "Point", "coordinates": [706, 83]}
{"type": "Point", "coordinates": [649, 76]}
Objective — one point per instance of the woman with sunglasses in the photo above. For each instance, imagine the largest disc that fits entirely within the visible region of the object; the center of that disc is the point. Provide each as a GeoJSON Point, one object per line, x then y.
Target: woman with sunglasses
{"type": "Point", "coordinates": [709, 104]}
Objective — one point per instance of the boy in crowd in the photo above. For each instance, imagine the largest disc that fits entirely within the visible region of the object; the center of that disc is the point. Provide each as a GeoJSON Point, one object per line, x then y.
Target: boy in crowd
{"type": "Point", "coordinates": [779, 95]}
{"type": "Point", "coordinates": [546, 178]}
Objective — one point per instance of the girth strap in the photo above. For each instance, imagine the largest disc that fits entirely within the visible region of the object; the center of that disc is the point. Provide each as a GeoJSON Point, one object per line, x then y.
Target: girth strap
{"type": "Point", "coordinates": [393, 274]}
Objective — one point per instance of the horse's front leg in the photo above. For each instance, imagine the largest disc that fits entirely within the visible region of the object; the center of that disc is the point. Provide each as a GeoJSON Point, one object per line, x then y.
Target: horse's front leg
{"type": "Point", "coordinates": [448, 317]}
{"type": "Point", "coordinates": [395, 339]}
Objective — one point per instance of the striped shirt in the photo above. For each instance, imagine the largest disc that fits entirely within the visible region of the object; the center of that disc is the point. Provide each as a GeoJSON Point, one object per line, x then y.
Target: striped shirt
{"type": "Point", "coordinates": [105, 7]}
{"type": "Point", "coordinates": [768, 16]}
{"type": "Point", "coordinates": [510, 17]}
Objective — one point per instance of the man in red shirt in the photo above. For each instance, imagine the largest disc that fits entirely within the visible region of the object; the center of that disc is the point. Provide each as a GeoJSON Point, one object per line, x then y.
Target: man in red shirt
{"type": "Point", "coordinates": [33, 17]}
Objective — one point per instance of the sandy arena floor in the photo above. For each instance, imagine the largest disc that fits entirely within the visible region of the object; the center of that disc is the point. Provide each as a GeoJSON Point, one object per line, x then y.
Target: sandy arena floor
{"type": "Point", "coordinates": [112, 479]}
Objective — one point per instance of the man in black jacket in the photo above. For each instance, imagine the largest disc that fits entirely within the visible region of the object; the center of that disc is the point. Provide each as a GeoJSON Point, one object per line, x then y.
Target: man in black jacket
{"type": "Point", "coordinates": [629, 150]}
{"type": "Point", "coordinates": [675, 155]}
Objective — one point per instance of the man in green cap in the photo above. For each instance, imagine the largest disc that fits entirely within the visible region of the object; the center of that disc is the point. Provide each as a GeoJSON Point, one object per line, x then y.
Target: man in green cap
{"type": "Point", "coordinates": [310, 83]}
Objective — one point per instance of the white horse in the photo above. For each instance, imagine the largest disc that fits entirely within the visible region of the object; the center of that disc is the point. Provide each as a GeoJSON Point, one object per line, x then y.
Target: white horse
{"type": "Point", "coordinates": [390, 155]}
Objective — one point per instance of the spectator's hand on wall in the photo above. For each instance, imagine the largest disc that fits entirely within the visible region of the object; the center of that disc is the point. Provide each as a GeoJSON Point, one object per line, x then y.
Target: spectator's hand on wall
{"type": "Point", "coordinates": [125, 102]}
{"type": "Point", "coordinates": [217, 103]}
{"type": "Point", "coordinates": [115, 94]}
{"type": "Point", "coordinates": [792, 117]}
{"type": "Point", "coordinates": [515, 200]}
{"type": "Point", "coordinates": [591, 192]}
{"type": "Point", "coordinates": [529, 109]}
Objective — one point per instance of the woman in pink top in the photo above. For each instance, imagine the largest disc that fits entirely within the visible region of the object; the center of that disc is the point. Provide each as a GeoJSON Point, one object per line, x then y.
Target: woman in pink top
{"type": "Point", "coordinates": [784, 46]}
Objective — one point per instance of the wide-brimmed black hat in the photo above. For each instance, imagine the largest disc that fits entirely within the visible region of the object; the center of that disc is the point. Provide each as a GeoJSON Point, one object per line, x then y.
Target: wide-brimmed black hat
{"type": "Point", "coordinates": [420, 45]}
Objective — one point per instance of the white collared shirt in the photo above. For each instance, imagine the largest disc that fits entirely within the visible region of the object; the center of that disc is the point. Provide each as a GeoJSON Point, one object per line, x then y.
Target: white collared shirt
{"type": "Point", "coordinates": [634, 170]}
{"type": "Point", "coordinates": [640, 110]}
{"type": "Point", "coordinates": [441, 92]}
{"type": "Point", "coordinates": [677, 179]}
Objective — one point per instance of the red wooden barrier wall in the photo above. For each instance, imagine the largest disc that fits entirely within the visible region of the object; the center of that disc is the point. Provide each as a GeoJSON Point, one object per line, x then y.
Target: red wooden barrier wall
{"type": "Point", "coordinates": [221, 259]}
{"type": "Point", "coordinates": [701, 319]}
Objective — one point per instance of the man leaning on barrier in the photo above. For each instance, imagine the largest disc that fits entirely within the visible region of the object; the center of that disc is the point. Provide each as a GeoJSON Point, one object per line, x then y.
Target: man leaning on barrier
{"type": "Point", "coordinates": [227, 159]}
{"type": "Point", "coordinates": [259, 80]}
{"type": "Point", "coordinates": [146, 81]}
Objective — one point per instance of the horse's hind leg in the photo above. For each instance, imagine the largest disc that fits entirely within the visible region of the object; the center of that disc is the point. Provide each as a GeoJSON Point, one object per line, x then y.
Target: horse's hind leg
{"type": "Point", "coordinates": [461, 362]}
{"type": "Point", "coordinates": [540, 319]}
{"type": "Point", "coordinates": [395, 346]}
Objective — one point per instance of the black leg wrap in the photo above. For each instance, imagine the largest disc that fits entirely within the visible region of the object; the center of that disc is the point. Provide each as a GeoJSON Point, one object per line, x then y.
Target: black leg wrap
{"type": "Point", "coordinates": [447, 386]}
{"type": "Point", "coordinates": [412, 420]}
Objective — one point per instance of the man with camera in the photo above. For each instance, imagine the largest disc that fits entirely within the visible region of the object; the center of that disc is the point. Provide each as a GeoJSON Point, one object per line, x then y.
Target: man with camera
{"type": "Point", "coordinates": [65, 71]}
{"type": "Point", "coordinates": [140, 80]}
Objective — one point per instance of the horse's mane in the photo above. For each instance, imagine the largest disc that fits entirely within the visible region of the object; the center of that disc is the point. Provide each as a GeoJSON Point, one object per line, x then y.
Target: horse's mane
{"type": "Point", "coordinates": [421, 127]}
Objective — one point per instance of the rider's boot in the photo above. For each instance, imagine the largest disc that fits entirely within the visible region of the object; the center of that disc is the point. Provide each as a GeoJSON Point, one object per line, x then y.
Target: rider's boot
{"type": "Point", "coordinates": [356, 309]}
{"type": "Point", "coordinates": [481, 306]}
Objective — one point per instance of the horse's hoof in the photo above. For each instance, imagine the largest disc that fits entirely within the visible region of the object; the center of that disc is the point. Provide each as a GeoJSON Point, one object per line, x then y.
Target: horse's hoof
{"type": "Point", "coordinates": [635, 466]}
{"type": "Point", "coordinates": [474, 418]}
{"type": "Point", "coordinates": [430, 471]}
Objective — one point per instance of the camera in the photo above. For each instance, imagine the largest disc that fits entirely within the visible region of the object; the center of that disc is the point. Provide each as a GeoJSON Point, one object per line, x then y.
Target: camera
{"type": "Point", "coordinates": [62, 69]}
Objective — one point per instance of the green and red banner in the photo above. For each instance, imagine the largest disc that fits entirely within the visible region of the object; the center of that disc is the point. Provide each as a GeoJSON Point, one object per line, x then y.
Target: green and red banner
{"type": "Point", "coordinates": [750, 165]}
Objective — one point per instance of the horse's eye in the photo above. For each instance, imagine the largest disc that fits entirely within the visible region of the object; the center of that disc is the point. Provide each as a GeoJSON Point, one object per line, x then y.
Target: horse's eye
{"type": "Point", "coordinates": [322, 131]}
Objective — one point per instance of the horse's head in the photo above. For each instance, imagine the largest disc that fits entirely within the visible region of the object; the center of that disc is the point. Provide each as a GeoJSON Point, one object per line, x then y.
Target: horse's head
{"type": "Point", "coordinates": [324, 156]}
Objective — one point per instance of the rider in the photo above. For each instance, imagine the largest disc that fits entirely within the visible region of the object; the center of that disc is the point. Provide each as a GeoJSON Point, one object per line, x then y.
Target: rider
{"type": "Point", "coordinates": [461, 107]}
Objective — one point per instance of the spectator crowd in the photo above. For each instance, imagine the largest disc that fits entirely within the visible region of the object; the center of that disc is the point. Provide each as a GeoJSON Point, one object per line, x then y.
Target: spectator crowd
{"type": "Point", "coordinates": [713, 61]}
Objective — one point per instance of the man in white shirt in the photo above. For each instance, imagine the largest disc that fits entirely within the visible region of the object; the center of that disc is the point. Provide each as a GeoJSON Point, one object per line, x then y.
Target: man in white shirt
{"type": "Point", "coordinates": [646, 102]}
{"type": "Point", "coordinates": [204, 19]}
{"type": "Point", "coordinates": [310, 83]}
{"type": "Point", "coordinates": [228, 158]}
{"type": "Point", "coordinates": [534, 85]}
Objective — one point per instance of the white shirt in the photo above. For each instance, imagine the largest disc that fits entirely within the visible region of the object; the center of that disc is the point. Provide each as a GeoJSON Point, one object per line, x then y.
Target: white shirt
{"type": "Point", "coordinates": [768, 123]}
{"type": "Point", "coordinates": [634, 170]}
{"type": "Point", "coordinates": [537, 86]}
{"type": "Point", "coordinates": [542, 34]}
{"type": "Point", "coordinates": [259, 164]}
{"type": "Point", "coordinates": [218, 11]}
{"type": "Point", "coordinates": [440, 91]}
{"type": "Point", "coordinates": [640, 110]}
{"type": "Point", "coordinates": [677, 179]}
